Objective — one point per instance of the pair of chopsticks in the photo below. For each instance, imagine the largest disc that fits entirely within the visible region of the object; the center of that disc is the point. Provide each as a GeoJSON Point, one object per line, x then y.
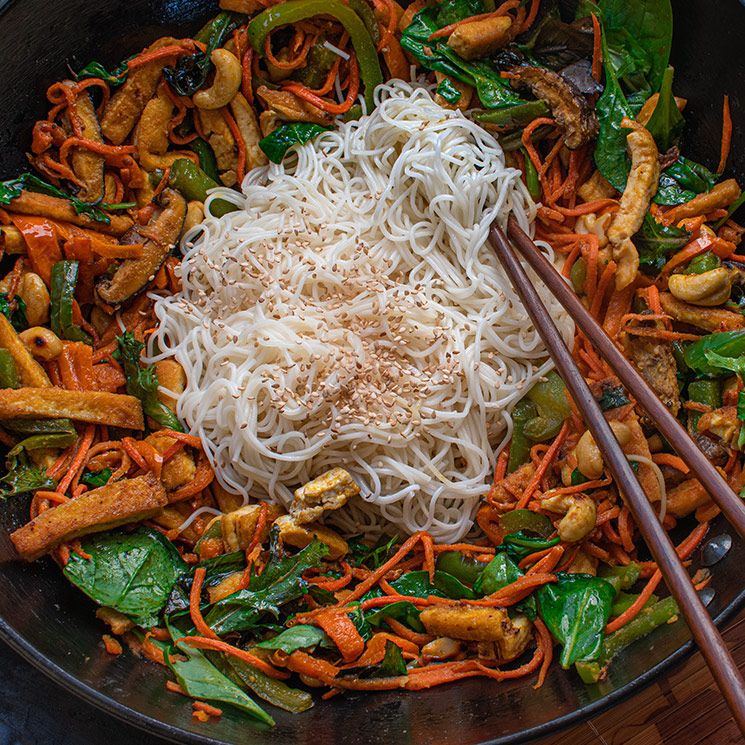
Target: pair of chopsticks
{"type": "Point", "coordinates": [704, 632]}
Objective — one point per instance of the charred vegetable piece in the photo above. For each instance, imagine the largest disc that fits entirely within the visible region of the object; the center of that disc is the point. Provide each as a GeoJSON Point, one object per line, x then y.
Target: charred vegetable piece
{"type": "Point", "coordinates": [569, 107]}
{"type": "Point", "coordinates": [298, 10]}
{"type": "Point", "coordinates": [64, 279]}
{"type": "Point", "coordinates": [134, 274]}
{"type": "Point", "coordinates": [142, 382]}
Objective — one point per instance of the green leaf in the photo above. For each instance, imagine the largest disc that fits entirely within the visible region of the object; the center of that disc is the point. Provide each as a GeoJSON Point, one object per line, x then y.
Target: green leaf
{"type": "Point", "coordinates": [301, 636]}
{"type": "Point", "coordinates": [452, 11]}
{"type": "Point", "coordinates": [500, 572]}
{"type": "Point", "coordinates": [142, 382]}
{"type": "Point", "coordinates": [448, 91]}
{"type": "Point", "coordinates": [361, 554]}
{"type": "Point", "coordinates": [10, 190]}
{"type": "Point", "coordinates": [403, 611]}
{"type": "Point", "coordinates": [34, 183]}
{"type": "Point", "coordinates": [202, 680]}
{"type": "Point", "coordinates": [62, 296]}
{"type": "Point", "coordinates": [521, 544]}
{"type": "Point", "coordinates": [17, 315]}
{"type": "Point", "coordinates": [276, 692]}
{"type": "Point", "coordinates": [99, 478]}
{"type": "Point", "coordinates": [492, 89]}
{"type": "Point", "coordinates": [656, 242]}
{"type": "Point", "coordinates": [115, 78]}
{"type": "Point", "coordinates": [22, 476]}
{"type": "Point", "coordinates": [682, 181]}
{"type": "Point", "coordinates": [666, 123]}
{"type": "Point", "coordinates": [132, 572]}
{"type": "Point", "coordinates": [393, 663]}
{"type": "Point", "coordinates": [276, 144]}
{"type": "Point", "coordinates": [416, 584]}
{"type": "Point", "coordinates": [612, 397]}
{"type": "Point", "coordinates": [726, 344]}
{"type": "Point", "coordinates": [729, 364]}
{"type": "Point", "coordinates": [279, 583]}
{"type": "Point", "coordinates": [576, 609]}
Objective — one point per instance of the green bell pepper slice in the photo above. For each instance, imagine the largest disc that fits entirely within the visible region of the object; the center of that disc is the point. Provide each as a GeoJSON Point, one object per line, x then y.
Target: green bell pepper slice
{"type": "Point", "coordinates": [8, 371]}
{"type": "Point", "coordinates": [64, 279]}
{"type": "Point", "coordinates": [299, 10]}
{"type": "Point", "coordinates": [193, 184]}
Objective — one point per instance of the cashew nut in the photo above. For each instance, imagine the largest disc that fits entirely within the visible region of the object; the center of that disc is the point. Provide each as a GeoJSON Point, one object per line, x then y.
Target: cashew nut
{"type": "Point", "coordinates": [442, 648]}
{"type": "Point", "coordinates": [227, 81]}
{"type": "Point", "coordinates": [43, 343]}
{"type": "Point", "coordinates": [34, 293]}
{"type": "Point", "coordinates": [595, 225]}
{"type": "Point", "coordinates": [579, 515]}
{"type": "Point", "coordinates": [707, 289]}
{"type": "Point", "coordinates": [194, 215]}
{"type": "Point", "coordinates": [589, 457]}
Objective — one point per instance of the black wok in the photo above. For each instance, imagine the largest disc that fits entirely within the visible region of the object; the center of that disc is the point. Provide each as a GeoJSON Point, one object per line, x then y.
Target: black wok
{"type": "Point", "coordinates": [54, 627]}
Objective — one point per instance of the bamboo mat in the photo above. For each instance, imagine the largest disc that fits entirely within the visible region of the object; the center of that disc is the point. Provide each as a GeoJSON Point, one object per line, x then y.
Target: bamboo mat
{"type": "Point", "coordinates": [683, 708]}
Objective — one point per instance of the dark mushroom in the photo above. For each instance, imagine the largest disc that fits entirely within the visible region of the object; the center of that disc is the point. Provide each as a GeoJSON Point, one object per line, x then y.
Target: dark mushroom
{"type": "Point", "coordinates": [159, 237]}
{"type": "Point", "coordinates": [570, 109]}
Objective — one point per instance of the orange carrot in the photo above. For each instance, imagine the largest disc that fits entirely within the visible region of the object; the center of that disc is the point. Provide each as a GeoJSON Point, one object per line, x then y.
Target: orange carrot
{"type": "Point", "coordinates": [195, 598]}
{"type": "Point", "coordinates": [332, 108]}
{"type": "Point", "coordinates": [78, 460]}
{"type": "Point", "coordinates": [597, 48]}
{"type": "Point", "coordinates": [208, 709]}
{"type": "Point", "coordinates": [111, 645]}
{"type": "Point", "coordinates": [670, 460]}
{"type": "Point", "coordinates": [500, 11]}
{"type": "Point", "coordinates": [340, 629]}
{"type": "Point", "coordinates": [548, 459]}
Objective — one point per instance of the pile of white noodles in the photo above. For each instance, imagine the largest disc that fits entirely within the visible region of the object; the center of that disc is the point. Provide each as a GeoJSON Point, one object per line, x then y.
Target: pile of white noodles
{"type": "Point", "coordinates": [351, 314]}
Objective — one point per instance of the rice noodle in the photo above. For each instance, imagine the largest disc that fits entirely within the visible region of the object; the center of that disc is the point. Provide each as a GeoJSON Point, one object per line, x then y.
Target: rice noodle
{"type": "Point", "coordinates": [350, 314]}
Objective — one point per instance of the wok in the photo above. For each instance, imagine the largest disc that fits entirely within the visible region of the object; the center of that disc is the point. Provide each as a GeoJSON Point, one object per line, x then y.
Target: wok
{"type": "Point", "coordinates": [53, 626]}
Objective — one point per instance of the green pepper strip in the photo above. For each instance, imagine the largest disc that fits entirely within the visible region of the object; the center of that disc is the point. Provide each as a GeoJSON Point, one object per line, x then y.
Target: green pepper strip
{"type": "Point", "coordinates": [207, 161]}
{"type": "Point", "coordinates": [298, 10]}
{"type": "Point", "coordinates": [193, 183]}
{"type": "Point", "coordinates": [533, 522]}
{"type": "Point", "coordinates": [8, 371]}
{"type": "Point", "coordinates": [64, 279]}
{"type": "Point", "coordinates": [707, 392]}
{"type": "Point", "coordinates": [523, 412]}
{"type": "Point", "coordinates": [462, 567]}
{"type": "Point", "coordinates": [531, 177]}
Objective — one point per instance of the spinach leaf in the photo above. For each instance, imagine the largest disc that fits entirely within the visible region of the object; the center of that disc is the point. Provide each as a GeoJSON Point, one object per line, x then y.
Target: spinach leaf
{"type": "Point", "coordinates": [723, 345]}
{"type": "Point", "coordinates": [393, 663]}
{"type": "Point", "coordinates": [280, 583]}
{"type": "Point", "coordinates": [302, 636]}
{"type": "Point", "coordinates": [403, 611]}
{"type": "Point", "coordinates": [132, 572]}
{"type": "Point", "coordinates": [99, 478]}
{"type": "Point", "coordinates": [650, 24]}
{"type": "Point", "coordinates": [448, 91]}
{"type": "Point", "coordinates": [142, 382]}
{"type": "Point", "coordinates": [436, 55]}
{"type": "Point", "coordinates": [358, 618]}
{"type": "Point", "coordinates": [576, 609]}
{"type": "Point", "coordinates": [655, 242]}
{"type": "Point", "coordinates": [417, 585]}
{"type": "Point", "coordinates": [276, 144]}
{"type": "Point", "coordinates": [22, 476]}
{"type": "Point", "coordinates": [666, 123]}
{"type": "Point", "coordinates": [190, 73]}
{"type": "Point", "coordinates": [10, 190]}
{"type": "Point", "coordinates": [372, 557]}
{"type": "Point", "coordinates": [201, 679]}
{"type": "Point", "coordinates": [683, 180]}
{"type": "Point", "coordinates": [17, 315]}
{"type": "Point", "coordinates": [521, 544]}
{"type": "Point", "coordinates": [115, 78]}
{"type": "Point", "coordinates": [500, 572]}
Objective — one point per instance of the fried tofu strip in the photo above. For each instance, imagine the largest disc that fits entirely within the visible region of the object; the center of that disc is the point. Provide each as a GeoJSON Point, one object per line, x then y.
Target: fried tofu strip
{"type": "Point", "coordinates": [709, 319]}
{"type": "Point", "coordinates": [126, 106]}
{"type": "Point", "coordinates": [30, 371]}
{"type": "Point", "coordinates": [640, 188]}
{"type": "Point", "coordinates": [115, 504]}
{"type": "Point", "coordinates": [32, 203]}
{"type": "Point", "coordinates": [93, 407]}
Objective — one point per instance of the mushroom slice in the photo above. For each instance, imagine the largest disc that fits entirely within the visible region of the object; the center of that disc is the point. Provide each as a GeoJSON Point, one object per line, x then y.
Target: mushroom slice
{"type": "Point", "coordinates": [568, 106]}
{"type": "Point", "coordinates": [161, 234]}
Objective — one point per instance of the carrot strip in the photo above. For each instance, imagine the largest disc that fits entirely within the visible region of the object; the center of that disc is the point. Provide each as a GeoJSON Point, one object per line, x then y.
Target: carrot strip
{"type": "Point", "coordinates": [332, 108]}
{"type": "Point", "coordinates": [78, 461]}
{"type": "Point", "coordinates": [195, 611]}
{"type": "Point", "coordinates": [726, 135]}
{"type": "Point", "coordinates": [670, 460]}
{"type": "Point", "coordinates": [597, 48]}
{"type": "Point", "coordinates": [500, 11]}
{"type": "Point", "coordinates": [208, 709]}
{"type": "Point", "coordinates": [200, 642]}
{"type": "Point", "coordinates": [548, 458]}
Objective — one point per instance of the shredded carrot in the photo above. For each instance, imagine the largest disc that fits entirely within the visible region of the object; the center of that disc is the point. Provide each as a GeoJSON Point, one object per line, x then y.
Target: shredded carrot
{"type": "Point", "coordinates": [78, 460]}
{"type": "Point", "coordinates": [673, 461]}
{"type": "Point", "coordinates": [112, 645]}
{"type": "Point", "coordinates": [548, 459]}
{"type": "Point", "coordinates": [208, 709]}
{"type": "Point", "coordinates": [174, 687]}
{"type": "Point", "coordinates": [332, 585]}
{"type": "Point", "coordinates": [332, 108]}
{"type": "Point", "coordinates": [195, 598]}
{"type": "Point", "coordinates": [726, 135]}
{"type": "Point", "coordinates": [240, 143]}
{"type": "Point", "coordinates": [500, 11]}
{"type": "Point", "coordinates": [406, 633]}
{"type": "Point", "coordinates": [532, 15]}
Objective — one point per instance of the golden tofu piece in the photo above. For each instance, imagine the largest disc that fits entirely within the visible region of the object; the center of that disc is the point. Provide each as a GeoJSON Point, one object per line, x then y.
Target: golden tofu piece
{"type": "Point", "coordinates": [171, 376]}
{"type": "Point", "coordinates": [481, 38]}
{"type": "Point", "coordinates": [301, 536]}
{"type": "Point", "coordinates": [179, 469]}
{"type": "Point", "coordinates": [117, 622]}
{"type": "Point", "coordinates": [93, 407]}
{"type": "Point", "coordinates": [510, 635]}
{"type": "Point", "coordinates": [127, 501]}
{"type": "Point", "coordinates": [238, 527]}
{"type": "Point", "coordinates": [329, 491]}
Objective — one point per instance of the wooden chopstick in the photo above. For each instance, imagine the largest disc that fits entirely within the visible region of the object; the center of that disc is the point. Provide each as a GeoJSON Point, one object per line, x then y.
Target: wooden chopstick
{"type": "Point", "coordinates": [717, 487]}
{"type": "Point", "coordinates": [702, 628]}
